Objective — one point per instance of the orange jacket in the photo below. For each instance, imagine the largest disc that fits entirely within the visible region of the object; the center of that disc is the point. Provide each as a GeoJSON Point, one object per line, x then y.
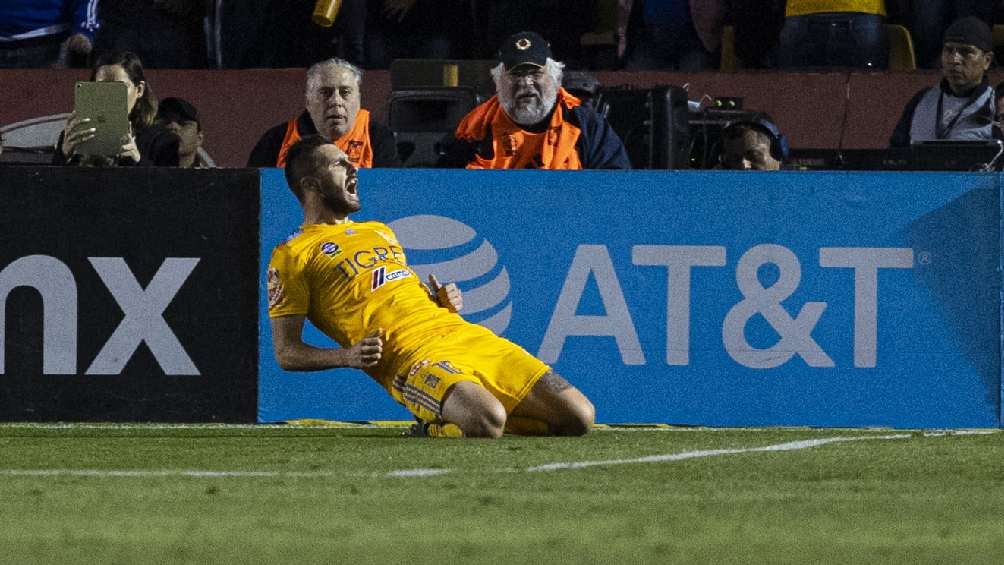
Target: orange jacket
{"type": "Point", "coordinates": [355, 143]}
{"type": "Point", "coordinates": [516, 148]}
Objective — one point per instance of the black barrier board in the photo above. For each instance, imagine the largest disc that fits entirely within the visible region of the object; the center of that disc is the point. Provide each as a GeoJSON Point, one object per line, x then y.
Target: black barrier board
{"type": "Point", "coordinates": [128, 294]}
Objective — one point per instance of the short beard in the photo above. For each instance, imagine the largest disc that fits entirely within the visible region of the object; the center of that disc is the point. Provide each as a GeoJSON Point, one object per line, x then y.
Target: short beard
{"type": "Point", "coordinates": [528, 116]}
{"type": "Point", "coordinates": [539, 112]}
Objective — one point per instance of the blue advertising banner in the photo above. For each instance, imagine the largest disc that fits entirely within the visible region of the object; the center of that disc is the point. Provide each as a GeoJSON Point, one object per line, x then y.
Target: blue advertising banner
{"type": "Point", "coordinates": [710, 298]}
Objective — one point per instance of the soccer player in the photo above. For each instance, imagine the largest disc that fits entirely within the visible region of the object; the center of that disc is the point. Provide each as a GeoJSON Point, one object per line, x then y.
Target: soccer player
{"type": "Point", "coordinates": [353, 282]}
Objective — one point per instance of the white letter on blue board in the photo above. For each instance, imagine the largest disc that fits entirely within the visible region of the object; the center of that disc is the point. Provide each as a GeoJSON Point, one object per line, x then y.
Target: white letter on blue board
{"type": "Point", "coordinates": [617, 322]}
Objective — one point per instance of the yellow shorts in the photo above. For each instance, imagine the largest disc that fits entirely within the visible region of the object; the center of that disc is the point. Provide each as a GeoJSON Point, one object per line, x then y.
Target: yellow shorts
{"type": "Point", "coordinates": [473, 354]}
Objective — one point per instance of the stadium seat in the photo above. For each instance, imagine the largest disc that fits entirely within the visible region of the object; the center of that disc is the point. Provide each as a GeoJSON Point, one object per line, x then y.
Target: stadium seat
{"type": "Point", "coordinates": [728, 63]}
{"type": "Point", "coordinates": [422, 117]}
{"type": "Point", "coordinates": [901, 54]}
{"type": "Point", "coordinates": [600, 44]}
{"type": "Point", "coordinates": [407, 74]}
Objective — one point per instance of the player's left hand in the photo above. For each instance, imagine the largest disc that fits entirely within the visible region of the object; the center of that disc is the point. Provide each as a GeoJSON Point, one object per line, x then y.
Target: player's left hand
{"type": "Point", "coordinates": [447, 295]}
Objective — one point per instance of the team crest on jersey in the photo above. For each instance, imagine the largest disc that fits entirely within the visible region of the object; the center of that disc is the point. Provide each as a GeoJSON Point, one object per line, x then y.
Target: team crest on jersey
{"type": "Point", "coordinates": [382, 276]}
{"type": "Point", "coordinates": [330, 249]}
{"type": "Point", "coordinates": [431, 381]}
{"type": "Point", "coordinates": [274, 287]}
{"type": "Point", "coordinates": [448, 367]}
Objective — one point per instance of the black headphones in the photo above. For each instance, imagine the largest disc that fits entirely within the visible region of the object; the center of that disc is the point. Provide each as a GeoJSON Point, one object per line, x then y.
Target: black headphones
{"type": "Point", "coordinates": [779, 147]}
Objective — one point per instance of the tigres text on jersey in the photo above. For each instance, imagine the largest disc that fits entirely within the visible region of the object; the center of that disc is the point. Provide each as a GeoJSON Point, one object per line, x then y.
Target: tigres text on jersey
{"type": "Point", "coordinates": [351, 279]}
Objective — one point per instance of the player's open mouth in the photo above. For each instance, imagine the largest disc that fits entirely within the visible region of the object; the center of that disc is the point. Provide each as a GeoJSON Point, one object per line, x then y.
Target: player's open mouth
{"type": "Point", "coordinates": [350, 185]}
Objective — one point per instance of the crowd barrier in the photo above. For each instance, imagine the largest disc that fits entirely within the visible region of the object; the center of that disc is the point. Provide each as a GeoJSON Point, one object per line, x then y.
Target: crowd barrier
{"type": "Point", "coordinates": [707, 298]}
{"type": "Point", "coordinates": [713, 298]}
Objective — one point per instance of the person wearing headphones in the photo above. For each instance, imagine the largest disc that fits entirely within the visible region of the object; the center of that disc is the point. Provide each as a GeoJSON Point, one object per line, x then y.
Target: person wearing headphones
{"type": "Point", "coordinates": [754, 144]}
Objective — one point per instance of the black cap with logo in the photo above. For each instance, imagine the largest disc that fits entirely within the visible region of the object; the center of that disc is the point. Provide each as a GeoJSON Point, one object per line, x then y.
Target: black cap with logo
{"type": "Point", "coordinates": [524, 48]}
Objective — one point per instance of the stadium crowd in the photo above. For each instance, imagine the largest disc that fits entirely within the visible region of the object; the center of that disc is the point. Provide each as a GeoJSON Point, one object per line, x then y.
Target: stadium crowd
{"type": "Point", "coordinates": [535, 119]}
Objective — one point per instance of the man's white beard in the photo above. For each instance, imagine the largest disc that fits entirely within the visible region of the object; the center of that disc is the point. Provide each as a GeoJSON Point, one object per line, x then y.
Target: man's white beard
{"type": "Point", "coordinates": [528, 116]}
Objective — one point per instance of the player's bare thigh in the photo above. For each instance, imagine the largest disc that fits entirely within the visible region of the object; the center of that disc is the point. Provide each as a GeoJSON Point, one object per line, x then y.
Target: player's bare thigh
{"type": "Point", "coordinates": [554, 400]}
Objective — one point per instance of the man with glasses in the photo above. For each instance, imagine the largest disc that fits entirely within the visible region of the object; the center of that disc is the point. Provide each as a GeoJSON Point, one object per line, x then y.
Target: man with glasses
{"type": "Point", "coordinates": [531, 122]}
{"type": "Point", "coordinates": [963, 106]}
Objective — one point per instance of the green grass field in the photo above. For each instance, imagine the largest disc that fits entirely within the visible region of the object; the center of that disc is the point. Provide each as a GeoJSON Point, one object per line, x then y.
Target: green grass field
{"type": "Point", "coordinates": [270, 494]}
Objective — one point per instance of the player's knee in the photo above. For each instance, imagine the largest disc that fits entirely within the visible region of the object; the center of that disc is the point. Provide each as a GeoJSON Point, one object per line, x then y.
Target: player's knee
{"type": "Point", "coordinates": [577, 419]}
{"type": "Point", "coordinates": [488, 421]}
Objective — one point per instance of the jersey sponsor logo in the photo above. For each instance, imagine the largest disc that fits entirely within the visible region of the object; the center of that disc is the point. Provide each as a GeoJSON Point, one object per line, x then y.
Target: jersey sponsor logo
{"type": "Point", "coordinates": [382, 277]}
{"type": "Point", "coordinates": [274, 288]}
{"type": "Point", "coordinates": [454, 251]}
{"type": "Point", "coordinates": [330, 248]}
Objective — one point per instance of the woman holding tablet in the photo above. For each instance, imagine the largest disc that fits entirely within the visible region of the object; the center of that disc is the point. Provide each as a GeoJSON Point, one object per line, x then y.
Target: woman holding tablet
{"type": "Point", "coordinates": [141, 141]}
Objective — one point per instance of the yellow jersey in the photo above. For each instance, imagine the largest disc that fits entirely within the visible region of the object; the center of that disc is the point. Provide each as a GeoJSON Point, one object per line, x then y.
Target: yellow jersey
{"type": "Point", "coordinates": [351, 279]}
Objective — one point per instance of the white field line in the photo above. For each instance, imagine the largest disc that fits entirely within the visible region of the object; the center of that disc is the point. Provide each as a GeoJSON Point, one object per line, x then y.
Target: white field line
{"type": "Point", "coordinates": [433, 472]}
{"type": "Point", "coordinates": [789, 446]}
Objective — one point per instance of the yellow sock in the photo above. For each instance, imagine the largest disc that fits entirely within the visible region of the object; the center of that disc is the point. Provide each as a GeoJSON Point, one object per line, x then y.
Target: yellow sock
{"type": "Point", "coordinates": [444, 430]}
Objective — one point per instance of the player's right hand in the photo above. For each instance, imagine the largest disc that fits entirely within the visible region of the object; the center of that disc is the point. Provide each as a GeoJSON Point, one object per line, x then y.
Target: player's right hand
{"type": "Point", "coordinates": [367, 351]}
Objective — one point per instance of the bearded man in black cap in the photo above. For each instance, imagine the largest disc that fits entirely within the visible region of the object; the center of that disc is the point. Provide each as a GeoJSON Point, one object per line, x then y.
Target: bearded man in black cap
{"type": "Point", "coordinates": [963, 105]}
{"type": "Point", "coordinates": [531, 122]}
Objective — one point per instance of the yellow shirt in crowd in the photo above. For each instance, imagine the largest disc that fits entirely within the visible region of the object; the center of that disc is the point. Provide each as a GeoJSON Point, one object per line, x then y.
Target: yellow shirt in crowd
{"type": "Point", "coordinates": [803, 7]}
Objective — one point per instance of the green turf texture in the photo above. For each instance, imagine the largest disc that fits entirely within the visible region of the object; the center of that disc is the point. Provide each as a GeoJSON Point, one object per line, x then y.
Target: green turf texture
{"type": "Point", "coordinates": [922, 499]}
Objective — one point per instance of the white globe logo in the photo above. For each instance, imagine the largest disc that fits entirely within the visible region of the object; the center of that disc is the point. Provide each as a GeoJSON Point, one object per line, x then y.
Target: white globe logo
{"type": "Point", "coordinates": [453, 252]}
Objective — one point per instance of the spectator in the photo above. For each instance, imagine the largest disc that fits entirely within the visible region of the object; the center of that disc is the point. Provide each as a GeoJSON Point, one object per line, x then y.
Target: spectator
{"type": "Point", "coordinates": [931, 17]}
{"type": "Point", "coordinates": [333, 111]}
{"type": "Point", "coordinates": [147, 143]}
{"type": "Point", "coordinates": [531, 122]}
{"type": "Point", "coordinates": [177, 115]}
{"type": "Point", "coordinates": [754, 143]}
{"type": "Point", "coordinates": [834, 33]}
{"type": "Point", "coordinates": [164, 33]}
{"type": "Point", "coordinates": [963, 105]}
{"type": "Point", "coordinates": [46, 33]}
{"type": "Point", "coordinates": [672, 34]}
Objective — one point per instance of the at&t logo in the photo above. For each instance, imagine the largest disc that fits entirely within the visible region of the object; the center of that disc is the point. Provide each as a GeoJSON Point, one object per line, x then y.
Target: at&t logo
{"type": "Point", "coordinates": [454, 252]}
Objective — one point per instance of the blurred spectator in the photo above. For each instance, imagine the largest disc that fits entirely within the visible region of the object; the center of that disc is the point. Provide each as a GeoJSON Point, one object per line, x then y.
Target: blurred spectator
{"type": "Point", "coordinates": [417, 29]}
{"type": "Point", "coordinates": [147, 144]}
{"type": "Point", "coordinates": [963, 105]}
{"type": "Point", "coordinates": [672, 34]}
{"type": "Point", "coordinates": [46, 33]}
{"type": "Point", "coordinates": [531, 122]}
{"type": "Point", "coordinates": [754, 143]}
{"type": "Point", "coordinates": [931, 17]}
{"type": "Point", "coordinates": [834, 33]}
{"type": "Point", "coordinates": [177, 115]}
{"type": "Point", "coordinates": [164, 33]}
{"type": "Point", "coordinates": [333, 111]}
